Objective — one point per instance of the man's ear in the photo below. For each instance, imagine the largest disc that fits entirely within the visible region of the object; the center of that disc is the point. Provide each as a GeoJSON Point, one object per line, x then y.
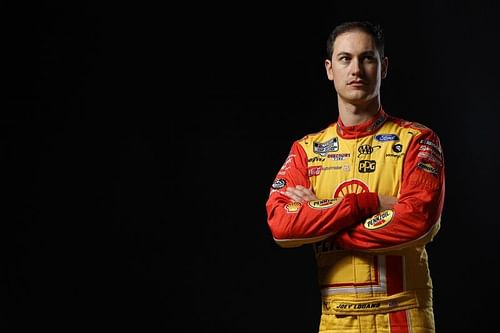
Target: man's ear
{"type": "Point", "coordinates": [385, 66]}
{"type": "Point", "coordinates": [329, 69]}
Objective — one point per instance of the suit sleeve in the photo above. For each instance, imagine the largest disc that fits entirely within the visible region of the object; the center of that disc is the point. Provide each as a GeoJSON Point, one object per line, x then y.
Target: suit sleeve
{"type": "Point", "coordinates": [415, 218]}
{"type": "Point", "coordinates": [293, 224]}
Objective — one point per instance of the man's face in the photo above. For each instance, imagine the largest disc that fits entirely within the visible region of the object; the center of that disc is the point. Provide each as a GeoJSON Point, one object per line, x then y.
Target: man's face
{"type": "Point", "coordinates": [355, 68]}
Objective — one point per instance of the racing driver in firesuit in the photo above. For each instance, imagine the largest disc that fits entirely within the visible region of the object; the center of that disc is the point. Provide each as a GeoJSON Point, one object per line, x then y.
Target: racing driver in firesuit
{"type": "Point", "coordinates": [367, 193]}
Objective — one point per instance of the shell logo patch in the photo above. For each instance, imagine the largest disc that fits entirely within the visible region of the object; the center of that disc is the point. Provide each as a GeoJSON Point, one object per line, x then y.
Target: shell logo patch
{"type": "Point", "coordinates": [350, 186]}
{"type": "Point", "coordinates": [379, 220]}
{"type": "Point", "coordinates": [323, 203]}
{"type": "Point", "coordinates": [293, 207]}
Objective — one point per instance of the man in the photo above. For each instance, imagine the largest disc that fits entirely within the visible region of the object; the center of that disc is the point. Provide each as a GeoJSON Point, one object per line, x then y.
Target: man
{"type": "Point", "coordinates": [367, 192]}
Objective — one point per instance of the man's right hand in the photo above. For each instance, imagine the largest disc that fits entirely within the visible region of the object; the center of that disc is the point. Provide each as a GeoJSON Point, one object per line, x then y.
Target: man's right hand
{"type": "Point", "coordinates": [300, 193]}
{"type": "Point", "coordinates": [386, 202]}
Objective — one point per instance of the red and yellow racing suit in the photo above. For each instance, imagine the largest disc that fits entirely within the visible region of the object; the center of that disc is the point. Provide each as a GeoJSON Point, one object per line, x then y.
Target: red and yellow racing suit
{"type": "Point", "coordinates": [373, 266]}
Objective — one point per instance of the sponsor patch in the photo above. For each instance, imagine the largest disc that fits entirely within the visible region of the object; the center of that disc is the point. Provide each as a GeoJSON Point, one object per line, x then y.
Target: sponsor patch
{"type": "Point", "coordinates": [386, 137]}
{"type": "Point", "coordinates": [323, 203]}
{"type": "Point", "coordinates": [333, 167]}
{"type": "Point", "coordinates": [367, 166]}
{"type": "Point", "coordinates": [431, 144]}
{"type": "Point", "coordinates": [316, 159]}
{"type": "Point", "coordinates": [397, 148]}
{"type": "Point", "coordinates": [367, 149]}
{"type": "Point", "coordinates": [427, 167]}
{"type": "Point", "coordinates": [425, 155]}
{"type": "Point", "coordinates": [397, 151]}
{"type": "Point", "coordinates": [314, 171]}
{"type": "Point", "coordinates": [358, 306]}
{"type": "Point", "coordinates": [293, 207]}
{"type": "Point", "coordinates": [350, 186]}
{"type": "Point", "coordinates": [431, 151]}
{"type": "Point", "coordinates": [339, 156]}
{"type": "Point", "coordinates": [322, 148]}
{"type": "Point", "coordinates": [278, 184]}
{"type": "Point", "coordinates": [379, 220]}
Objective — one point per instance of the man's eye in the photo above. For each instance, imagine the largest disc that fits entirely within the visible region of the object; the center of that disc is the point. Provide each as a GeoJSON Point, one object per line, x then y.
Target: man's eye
{"type": "Point", "coordinates": [370, 59]}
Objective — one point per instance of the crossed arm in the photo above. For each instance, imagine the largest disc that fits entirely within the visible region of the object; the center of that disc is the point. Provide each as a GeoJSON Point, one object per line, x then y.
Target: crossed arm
{"type": "Point", "coordinates": [300, 193]}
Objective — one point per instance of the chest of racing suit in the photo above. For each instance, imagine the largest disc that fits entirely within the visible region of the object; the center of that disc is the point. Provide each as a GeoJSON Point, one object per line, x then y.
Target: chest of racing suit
{"type": "Point", "coordinates": [369, 261]}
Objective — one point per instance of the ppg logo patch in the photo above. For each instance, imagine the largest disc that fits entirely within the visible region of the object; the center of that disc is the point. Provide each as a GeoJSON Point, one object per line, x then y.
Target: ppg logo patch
{"type": "Point", "coordinates": [367, 166]}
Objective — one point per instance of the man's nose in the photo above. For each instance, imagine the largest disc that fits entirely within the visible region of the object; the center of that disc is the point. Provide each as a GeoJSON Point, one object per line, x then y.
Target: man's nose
{"type": "Point", "coordinates": [356, 66]}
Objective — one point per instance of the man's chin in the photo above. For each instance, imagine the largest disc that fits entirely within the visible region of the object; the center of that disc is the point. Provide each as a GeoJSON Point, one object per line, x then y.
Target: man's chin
{"type": "Point", "coordinates": [358, 98]}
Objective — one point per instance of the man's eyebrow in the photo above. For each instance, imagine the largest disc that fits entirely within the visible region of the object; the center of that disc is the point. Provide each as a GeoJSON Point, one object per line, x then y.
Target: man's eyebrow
{"type": "Point", "coordinates": [344, 53]}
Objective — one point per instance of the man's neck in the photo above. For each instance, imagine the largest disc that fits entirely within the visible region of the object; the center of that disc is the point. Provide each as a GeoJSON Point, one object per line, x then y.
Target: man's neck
{"type": "Point", "coordinates": [352, 115]}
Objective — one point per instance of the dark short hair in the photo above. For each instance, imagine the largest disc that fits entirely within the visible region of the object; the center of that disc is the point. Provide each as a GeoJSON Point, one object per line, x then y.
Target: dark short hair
{"type": "Point", "coordinates": [372, 29]}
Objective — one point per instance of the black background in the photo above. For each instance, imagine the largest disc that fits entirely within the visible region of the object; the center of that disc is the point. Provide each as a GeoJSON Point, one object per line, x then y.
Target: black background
{"type": "Point", "coordinates": [139, 142]}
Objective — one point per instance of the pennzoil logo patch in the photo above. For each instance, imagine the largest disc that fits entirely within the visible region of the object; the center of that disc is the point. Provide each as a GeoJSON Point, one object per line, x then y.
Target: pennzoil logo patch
{"type": "Point", "coordinates": [379, 220]}
{"type": "Point", "coordinates": [293, 207]}
{"type": "Point", "coordinates": [323, 203]}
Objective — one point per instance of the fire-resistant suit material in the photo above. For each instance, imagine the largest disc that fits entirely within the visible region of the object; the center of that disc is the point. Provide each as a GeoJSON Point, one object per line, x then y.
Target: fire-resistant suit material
{"type": "Point", "coordinates": [370, 263]}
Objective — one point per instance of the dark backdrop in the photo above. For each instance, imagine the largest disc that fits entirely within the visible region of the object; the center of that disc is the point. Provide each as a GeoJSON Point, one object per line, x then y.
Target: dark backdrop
{"type": "Point", "coordinates": [138, 144]}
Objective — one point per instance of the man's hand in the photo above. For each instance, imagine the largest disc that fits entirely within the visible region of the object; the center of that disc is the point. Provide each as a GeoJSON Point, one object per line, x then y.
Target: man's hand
{"type": "Point", "coordinates": [386, 202]}
{"type": "Point", "coordinates": [300, 194]}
